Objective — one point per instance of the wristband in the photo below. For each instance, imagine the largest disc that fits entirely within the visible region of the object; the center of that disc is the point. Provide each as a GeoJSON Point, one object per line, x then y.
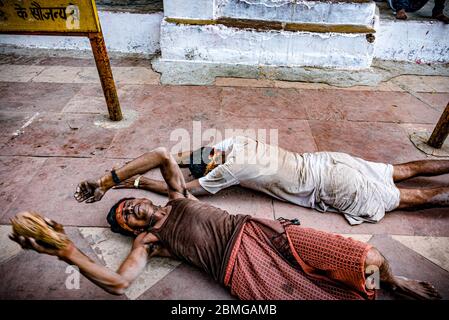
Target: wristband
{"type": "Point", "coordinates": [137, 181]}
{"type": "Point", "coordinates": [115, 177]}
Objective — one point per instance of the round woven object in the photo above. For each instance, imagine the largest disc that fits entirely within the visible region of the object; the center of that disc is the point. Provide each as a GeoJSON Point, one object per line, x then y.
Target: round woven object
{"type": "Point", "coordinates": [33, 225]}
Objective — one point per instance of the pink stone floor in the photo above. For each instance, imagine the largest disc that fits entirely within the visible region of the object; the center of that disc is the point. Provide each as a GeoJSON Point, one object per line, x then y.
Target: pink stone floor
{"type": "Point", "coordinates": [49, 142]}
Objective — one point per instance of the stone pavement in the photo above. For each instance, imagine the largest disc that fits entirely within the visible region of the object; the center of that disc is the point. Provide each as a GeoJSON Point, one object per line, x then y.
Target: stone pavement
{"type": "Point", "coordinates": [53, 134]}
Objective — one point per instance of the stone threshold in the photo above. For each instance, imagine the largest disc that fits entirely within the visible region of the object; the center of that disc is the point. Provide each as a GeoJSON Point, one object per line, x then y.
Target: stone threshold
{"type": "Point", "coordinates": [260, 25]}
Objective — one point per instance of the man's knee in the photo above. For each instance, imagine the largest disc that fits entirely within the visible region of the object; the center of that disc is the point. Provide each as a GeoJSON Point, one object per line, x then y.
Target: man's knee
{"type": "Point", "coordinates": [374, 258]}
{"type": "Point", "coordinates": [162, 152]}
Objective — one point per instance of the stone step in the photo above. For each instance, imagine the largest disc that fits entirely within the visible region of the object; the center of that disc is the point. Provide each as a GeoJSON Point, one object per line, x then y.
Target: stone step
{"type": "Point", "coordinates": [229, 45]}
{"type": "Point", "coordinates": [418, 39]}
{"type": "Point", "coordinates": [337, 12]}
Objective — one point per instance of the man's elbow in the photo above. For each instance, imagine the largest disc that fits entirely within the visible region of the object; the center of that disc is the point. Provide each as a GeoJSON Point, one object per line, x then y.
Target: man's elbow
{"type": "Point", "coordinates": [119, 287]}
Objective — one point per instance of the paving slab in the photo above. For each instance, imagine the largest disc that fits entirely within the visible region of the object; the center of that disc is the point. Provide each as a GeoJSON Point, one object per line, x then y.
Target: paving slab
{"type": "Point", "coordinates": [15, 176]}
{"type": "Point", "coordinates": [423, 83]}
{"type": "Point", "coordinates": [32, 276]}
{"type": "Point", "coordinates": [66, 61]}
{"type": "Point", "coordinates": [135, 75]}
{"type": "Point", "coordinates": [10, 249]}
{"type": "Point", "coordinates": [13, 124]}
{"type": "Point", "coordinates": [51, 190]}
{"type": "Point", "coordinates": [294, 135]}
{"type": "Point", "coordinates": [89, 99]}
{"type": "Point", "coordinates": [64, 74]}
{"type": "Point", "coordinates": [373, 106]}
{"type": "Point", "coordinates": [113, 248]}
{"type": "Point", "coordinates": [176, 109]}
{"type": "Point", "coordinates": [374, 141]}
{"type": "Point", "coordinates": [437, 100]}
{"type": "Point", "coordinates": [421, 222]}
{"type": "Point", "coordinates": [392, 223]}
{"type": "Point", "coordinates": [431, 222]}
{"type": "Point", "coordinates": [435, 249]}
{"type": "Point", "coordinates": [255, 203]}
{"type": "Point", "coordinates": [173, 131]}
{"type": "Point", "coordinates": [76, 74]}
{"type": "Point", "coordinates": [406, 262]}
{"type": "Point", "coordinates": [35, 97]}
{"type": "Point", "coordinates": [267, 83]}
{"type": "Point", "coordinates": [187, 283]}
{"type": "Point", "coordinates": [19, 73]}
{"type": "Point", "coordinates": [184, 100]}
{"type": "Point", "coordinates": [265, 102]}
{"type": "Point", "coordinates": [52, 134]}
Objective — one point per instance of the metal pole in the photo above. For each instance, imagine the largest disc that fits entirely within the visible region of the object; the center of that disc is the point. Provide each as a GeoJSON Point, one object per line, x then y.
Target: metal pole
{"type": "Point", "coordinates": [441, 130]}
{"type": "Point", "coordinates": [105, 73]}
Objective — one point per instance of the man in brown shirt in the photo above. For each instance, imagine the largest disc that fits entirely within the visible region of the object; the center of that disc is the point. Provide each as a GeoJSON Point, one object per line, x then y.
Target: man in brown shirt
{"type": "Point", "coordinates": [254, 258]}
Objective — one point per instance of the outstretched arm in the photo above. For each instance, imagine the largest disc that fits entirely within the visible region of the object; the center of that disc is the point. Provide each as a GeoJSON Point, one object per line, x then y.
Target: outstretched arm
{"type": "Point", "coordinates": [110, 281]}
{"type": "Point", "coordinates": [91, 190]}
{"type": "Point", "coordinates": [159, 186]}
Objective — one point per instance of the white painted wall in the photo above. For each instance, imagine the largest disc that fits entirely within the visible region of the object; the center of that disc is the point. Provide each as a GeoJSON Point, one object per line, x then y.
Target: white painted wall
{"type": "Point", "coordinates": [425, 41]}
{"type": "Point", "coordinates": [190, 9]}
{"type": "Point", "coordinates": [123, 32]}
{"type": "Point", "coordinates": [220, 44]}
{"type": "Point", "coordinates": [298, 11]}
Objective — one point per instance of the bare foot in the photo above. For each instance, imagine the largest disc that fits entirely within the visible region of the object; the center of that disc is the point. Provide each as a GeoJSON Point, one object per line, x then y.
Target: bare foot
{"type": "Point", "coordinates": [441, 17]}
{"type": "Point", "coordinates": [416, 289]}
{"type": "Point", "coordinates": [401, 15]}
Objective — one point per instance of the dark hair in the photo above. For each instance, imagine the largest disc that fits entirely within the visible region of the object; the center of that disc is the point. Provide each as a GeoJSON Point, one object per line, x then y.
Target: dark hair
{"type": "Point", "coordinates": [115, 227]}
{"type": "Point", "coordinates": [199, 160]}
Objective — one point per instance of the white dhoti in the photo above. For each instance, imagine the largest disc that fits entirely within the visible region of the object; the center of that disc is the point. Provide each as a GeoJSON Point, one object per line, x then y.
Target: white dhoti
{"type": "Point", "coordinates": [327, 181]}
{"type": "Point", "coordinates": [361, 190]}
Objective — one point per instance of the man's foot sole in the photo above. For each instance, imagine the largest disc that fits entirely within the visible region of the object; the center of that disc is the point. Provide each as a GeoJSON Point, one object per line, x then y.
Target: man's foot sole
{"type": "Point", "coordinates": [416, 289]}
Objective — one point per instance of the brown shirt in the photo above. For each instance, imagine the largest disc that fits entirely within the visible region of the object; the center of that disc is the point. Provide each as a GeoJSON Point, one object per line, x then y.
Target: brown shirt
{"type": "Point", "coordinates": [204, 235]}
{"type": "Point", "coordinates": [199, 234]}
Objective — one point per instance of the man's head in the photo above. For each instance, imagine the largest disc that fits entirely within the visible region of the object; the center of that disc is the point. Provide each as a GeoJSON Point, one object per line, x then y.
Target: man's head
{"type": "Point", "coordinates": [131, 216]}
{"type": "Point", "coordinates": [199, 160]}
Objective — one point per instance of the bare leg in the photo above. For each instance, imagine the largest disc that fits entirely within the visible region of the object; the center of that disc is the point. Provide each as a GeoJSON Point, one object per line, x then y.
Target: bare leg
{"type": "Point", "coordinates": [412, 169]}
{"type": "Point", "coordinates": [434, 197]}
{"type": "Point", "coordinates": [410, 288]}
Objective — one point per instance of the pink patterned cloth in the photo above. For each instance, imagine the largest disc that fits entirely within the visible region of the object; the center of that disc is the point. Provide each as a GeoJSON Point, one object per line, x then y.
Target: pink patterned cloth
{"type": "Point", "coordinates": [328, 266]}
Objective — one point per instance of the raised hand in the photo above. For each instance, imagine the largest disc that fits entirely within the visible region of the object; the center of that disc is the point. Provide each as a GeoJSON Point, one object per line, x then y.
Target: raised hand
{"type": "Point", "coordinates": [28, 243]}
{"type": "Point", "coordinates": [89, 191]}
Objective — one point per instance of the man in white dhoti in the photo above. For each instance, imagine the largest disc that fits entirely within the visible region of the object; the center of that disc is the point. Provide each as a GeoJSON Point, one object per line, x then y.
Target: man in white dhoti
{"type": "Point", "coordinates": [327, 181]}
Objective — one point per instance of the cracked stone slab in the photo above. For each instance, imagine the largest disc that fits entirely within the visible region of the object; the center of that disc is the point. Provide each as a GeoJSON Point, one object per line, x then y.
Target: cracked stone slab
{"type": "Point", "coordinates": [436, 249]}
{"type": "Point", "coordinates": [68, 74]}
{"type": "Point", "coordinates": [19, 73]}
{"type": "Point", "coordinates": [9, 248]}
{"type": "Point", "coordinates": [113, 249]}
